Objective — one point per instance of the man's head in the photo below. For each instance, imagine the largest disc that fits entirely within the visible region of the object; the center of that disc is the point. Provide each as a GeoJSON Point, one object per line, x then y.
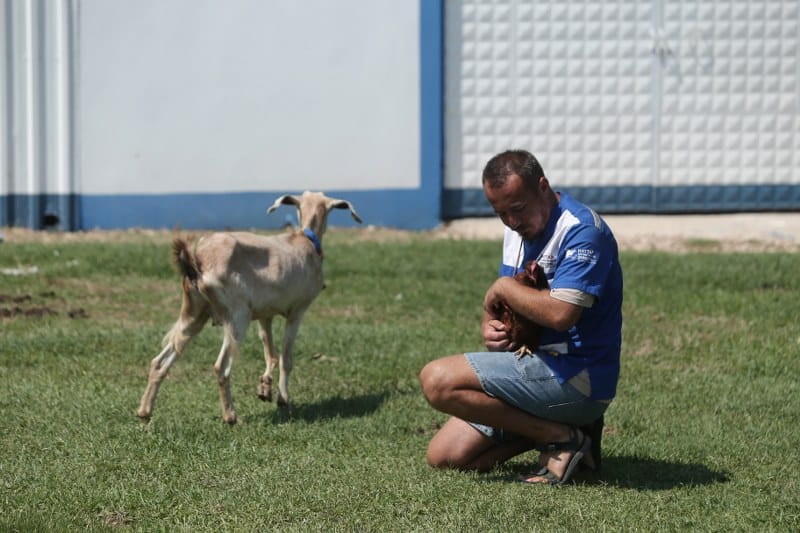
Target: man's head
{"type": "Point", "coordinates": [516, 187]}
{"type": "Point", "coordinates": [519, 162]}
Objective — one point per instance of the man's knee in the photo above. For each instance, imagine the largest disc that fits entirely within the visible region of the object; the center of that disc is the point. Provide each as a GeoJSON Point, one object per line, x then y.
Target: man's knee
{"type": "Point", "coordinates": [434, 381]}
{"type": "Point", "coordinates": [443, 454]}
{"type": "Point", "coordinates": [440, 461]}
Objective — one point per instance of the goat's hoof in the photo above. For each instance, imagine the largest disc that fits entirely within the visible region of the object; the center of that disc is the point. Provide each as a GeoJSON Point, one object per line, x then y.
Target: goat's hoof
{"type": "Point", "coordinates": [284, 403]}
{"type": "Point", "coordinates": [231, 419]}
{"type": "Point", "coordinates": [265, 394]}
{"type": "Point", "coordinates": [143, 416]}
{"type": "Point", "coordinates": [265, 389]}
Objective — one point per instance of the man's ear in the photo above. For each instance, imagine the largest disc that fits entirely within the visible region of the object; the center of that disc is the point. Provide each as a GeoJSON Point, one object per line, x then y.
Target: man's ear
{"type": "Point", "coordinates": [543, 183]}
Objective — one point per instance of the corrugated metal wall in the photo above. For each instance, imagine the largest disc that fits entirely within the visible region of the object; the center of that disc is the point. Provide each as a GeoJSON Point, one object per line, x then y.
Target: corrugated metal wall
{"type": "Point", "coordinates": [633, 106]}
{"type": "Point", "coordinates": [37, 167]}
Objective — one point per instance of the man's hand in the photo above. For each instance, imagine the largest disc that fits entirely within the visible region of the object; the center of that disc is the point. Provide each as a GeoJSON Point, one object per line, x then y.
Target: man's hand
{"type": "Point", "coordinates": [494, 296]}
{"type": "Point", "coordinates": [495, 336]}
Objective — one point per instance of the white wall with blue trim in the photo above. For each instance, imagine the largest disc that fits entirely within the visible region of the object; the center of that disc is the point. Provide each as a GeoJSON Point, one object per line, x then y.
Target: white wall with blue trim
{"type": "Point", "coordinates": [646, 106]}
{"type": "Point", "coordinates": [198, 114]}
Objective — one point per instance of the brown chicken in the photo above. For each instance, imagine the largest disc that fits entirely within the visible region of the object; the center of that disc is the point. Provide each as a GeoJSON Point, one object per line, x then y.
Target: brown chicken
{"type": "Point", "coordinates": [522, 331]}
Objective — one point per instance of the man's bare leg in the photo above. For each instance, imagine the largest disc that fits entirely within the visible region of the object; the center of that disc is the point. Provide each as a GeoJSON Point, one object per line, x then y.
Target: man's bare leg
{"type": "Point", "coordinates": [459, 445]}
{"type": "Point", "coordinates": [451, 386]}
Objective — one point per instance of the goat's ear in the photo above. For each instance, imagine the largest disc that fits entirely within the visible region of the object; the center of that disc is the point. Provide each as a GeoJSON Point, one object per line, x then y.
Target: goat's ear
{"type": "Point", "coordinates": [344, 204]}
{"type": "Point", "coordinates": [285, 199]}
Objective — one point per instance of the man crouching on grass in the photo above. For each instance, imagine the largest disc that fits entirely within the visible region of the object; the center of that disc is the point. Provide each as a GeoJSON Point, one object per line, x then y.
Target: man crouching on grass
{"type": "Point", "coordinates": [503, 404]}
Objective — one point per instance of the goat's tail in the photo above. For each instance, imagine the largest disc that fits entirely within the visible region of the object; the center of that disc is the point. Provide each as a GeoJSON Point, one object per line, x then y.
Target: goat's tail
{"type": "Point", "coordinates": [185, 262]}
{"type": "Point", "coordinates": [194, 308]}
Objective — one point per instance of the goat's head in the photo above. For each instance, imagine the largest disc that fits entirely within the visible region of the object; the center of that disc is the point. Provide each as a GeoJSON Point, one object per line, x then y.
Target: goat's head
{"type": "Point", "coordinates": [313, 209]}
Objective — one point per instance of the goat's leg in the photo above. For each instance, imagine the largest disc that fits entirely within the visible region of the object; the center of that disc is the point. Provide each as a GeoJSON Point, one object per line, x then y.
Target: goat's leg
{"type": "Point", "coordinates": [233, 337]}
{"type": "Point", "coordinates": [285, 361]}
{"type": "Point", "coordinates": [270, 357]}
{"type": "Point", "coordinates": [159, 367]}
{"type": "Point", "coordinates": [187, 326]}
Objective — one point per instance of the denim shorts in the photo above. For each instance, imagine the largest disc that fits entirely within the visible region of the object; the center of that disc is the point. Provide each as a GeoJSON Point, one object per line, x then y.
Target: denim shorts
{"type": "Point", "coordinates": [528, 384]}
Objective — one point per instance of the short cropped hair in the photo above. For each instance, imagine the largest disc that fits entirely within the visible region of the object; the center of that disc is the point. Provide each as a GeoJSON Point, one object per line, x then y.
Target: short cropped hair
{"type": "Point", "coordinates": [519, 162]}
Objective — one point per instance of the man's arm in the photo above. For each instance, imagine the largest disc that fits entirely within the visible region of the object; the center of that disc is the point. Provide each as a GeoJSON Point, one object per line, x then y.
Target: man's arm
{"type": "Point", "coordinates": [535, 304]}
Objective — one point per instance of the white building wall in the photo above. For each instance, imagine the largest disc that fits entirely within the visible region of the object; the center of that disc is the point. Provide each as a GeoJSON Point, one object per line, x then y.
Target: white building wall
{"type": "Point", "coordinates": [247, 95]}
{"type": "Point", "coordinates": [198, 113]}
{"type": "Point", "coordinates": [731, 100]}
{"type": "Point", "coordinates": [632, 105]}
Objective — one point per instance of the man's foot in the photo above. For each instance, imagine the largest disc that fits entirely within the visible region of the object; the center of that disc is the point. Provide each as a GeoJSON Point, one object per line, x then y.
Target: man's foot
{"type": "Point", "coordinates": [559, 460]}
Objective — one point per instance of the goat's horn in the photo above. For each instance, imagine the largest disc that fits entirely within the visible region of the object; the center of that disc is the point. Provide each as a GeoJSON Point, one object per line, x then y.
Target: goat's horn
{"type": "Point", "coordinates": [285, 199]}
{"type": "Point", "coordinates": [344, 204]}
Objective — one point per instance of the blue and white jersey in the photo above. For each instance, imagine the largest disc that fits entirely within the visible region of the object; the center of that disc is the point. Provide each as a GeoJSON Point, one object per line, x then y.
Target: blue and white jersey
{"type": "Point", "coordinates": [579, 255]}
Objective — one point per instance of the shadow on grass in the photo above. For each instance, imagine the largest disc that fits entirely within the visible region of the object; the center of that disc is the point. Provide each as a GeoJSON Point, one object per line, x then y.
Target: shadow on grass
{"type": "Point", "coordinates": [335, 407]}
{"type": "Point", "coordinates": [639, 473]}
{"type": "Point", "coordinates": [653, 474]}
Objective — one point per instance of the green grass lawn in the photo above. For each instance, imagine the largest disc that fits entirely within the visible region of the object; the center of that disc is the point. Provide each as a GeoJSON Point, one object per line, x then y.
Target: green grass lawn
{"type": "Point", "coordinates": [703, 434]}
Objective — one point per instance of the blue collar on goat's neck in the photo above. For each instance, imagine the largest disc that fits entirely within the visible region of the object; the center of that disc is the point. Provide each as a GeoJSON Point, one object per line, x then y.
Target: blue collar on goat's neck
{"type": "Point", "coordinates": [314, 240]}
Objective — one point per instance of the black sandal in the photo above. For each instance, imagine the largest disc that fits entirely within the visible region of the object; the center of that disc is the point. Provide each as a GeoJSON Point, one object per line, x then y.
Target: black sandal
{"type": "Point", "coordinates": [594, 431]}
{"type": "Point", "coordinates": [579, 444]}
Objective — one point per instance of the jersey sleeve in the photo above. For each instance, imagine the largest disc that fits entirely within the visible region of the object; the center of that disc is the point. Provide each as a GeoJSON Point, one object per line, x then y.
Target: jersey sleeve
{"type": "Point", "coordinates": [584, 261]}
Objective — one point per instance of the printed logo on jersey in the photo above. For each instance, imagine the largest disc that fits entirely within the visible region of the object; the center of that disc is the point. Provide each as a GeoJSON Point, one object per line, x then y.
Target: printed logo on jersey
{"type": "Point", "coordinates": [547, 262]}
{"type": "Point", "coordinates": [582, 255]}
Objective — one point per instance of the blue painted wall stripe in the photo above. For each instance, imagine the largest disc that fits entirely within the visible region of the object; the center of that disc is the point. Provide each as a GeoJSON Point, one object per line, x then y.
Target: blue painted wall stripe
{"type": "Point", "coordinates": [431, 65]}
{"type": "Point", "coordinates": [460, 203]}
{"type": "Point", "coordinates": [392, 208]}
{"type": "Point", "coordinates": [41, 211]}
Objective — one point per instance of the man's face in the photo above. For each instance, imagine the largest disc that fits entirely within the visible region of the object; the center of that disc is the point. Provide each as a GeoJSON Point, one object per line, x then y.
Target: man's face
{"type": "Point", "coordinates": [525, 211]}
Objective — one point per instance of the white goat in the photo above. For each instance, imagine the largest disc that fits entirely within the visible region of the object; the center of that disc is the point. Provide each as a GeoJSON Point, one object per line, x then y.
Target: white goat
{"type": "Point", "coordinates": [234, 278]}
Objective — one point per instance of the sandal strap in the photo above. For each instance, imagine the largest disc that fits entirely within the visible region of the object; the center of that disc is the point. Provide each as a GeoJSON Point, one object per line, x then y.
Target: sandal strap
{"type": "Point", "coordinates": [574, 443]}
{"type": "Point", "coordinates": [548, 477]}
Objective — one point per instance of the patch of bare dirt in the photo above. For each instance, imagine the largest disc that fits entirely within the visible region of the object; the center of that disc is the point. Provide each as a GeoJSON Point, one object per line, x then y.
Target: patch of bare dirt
{"type": "Point", "coordinates": [37, 306]}
{"type": "Point", "coordinates": [19, 235]}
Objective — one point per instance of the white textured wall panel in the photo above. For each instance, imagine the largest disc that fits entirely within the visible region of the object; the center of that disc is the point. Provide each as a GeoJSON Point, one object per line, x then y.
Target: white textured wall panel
{"type": "Point", "coordinates": [730, 106]}
{"type": "Point", "coordinates": [662, 105]}
{"type": "Point", "coordinates": [570, 82]}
